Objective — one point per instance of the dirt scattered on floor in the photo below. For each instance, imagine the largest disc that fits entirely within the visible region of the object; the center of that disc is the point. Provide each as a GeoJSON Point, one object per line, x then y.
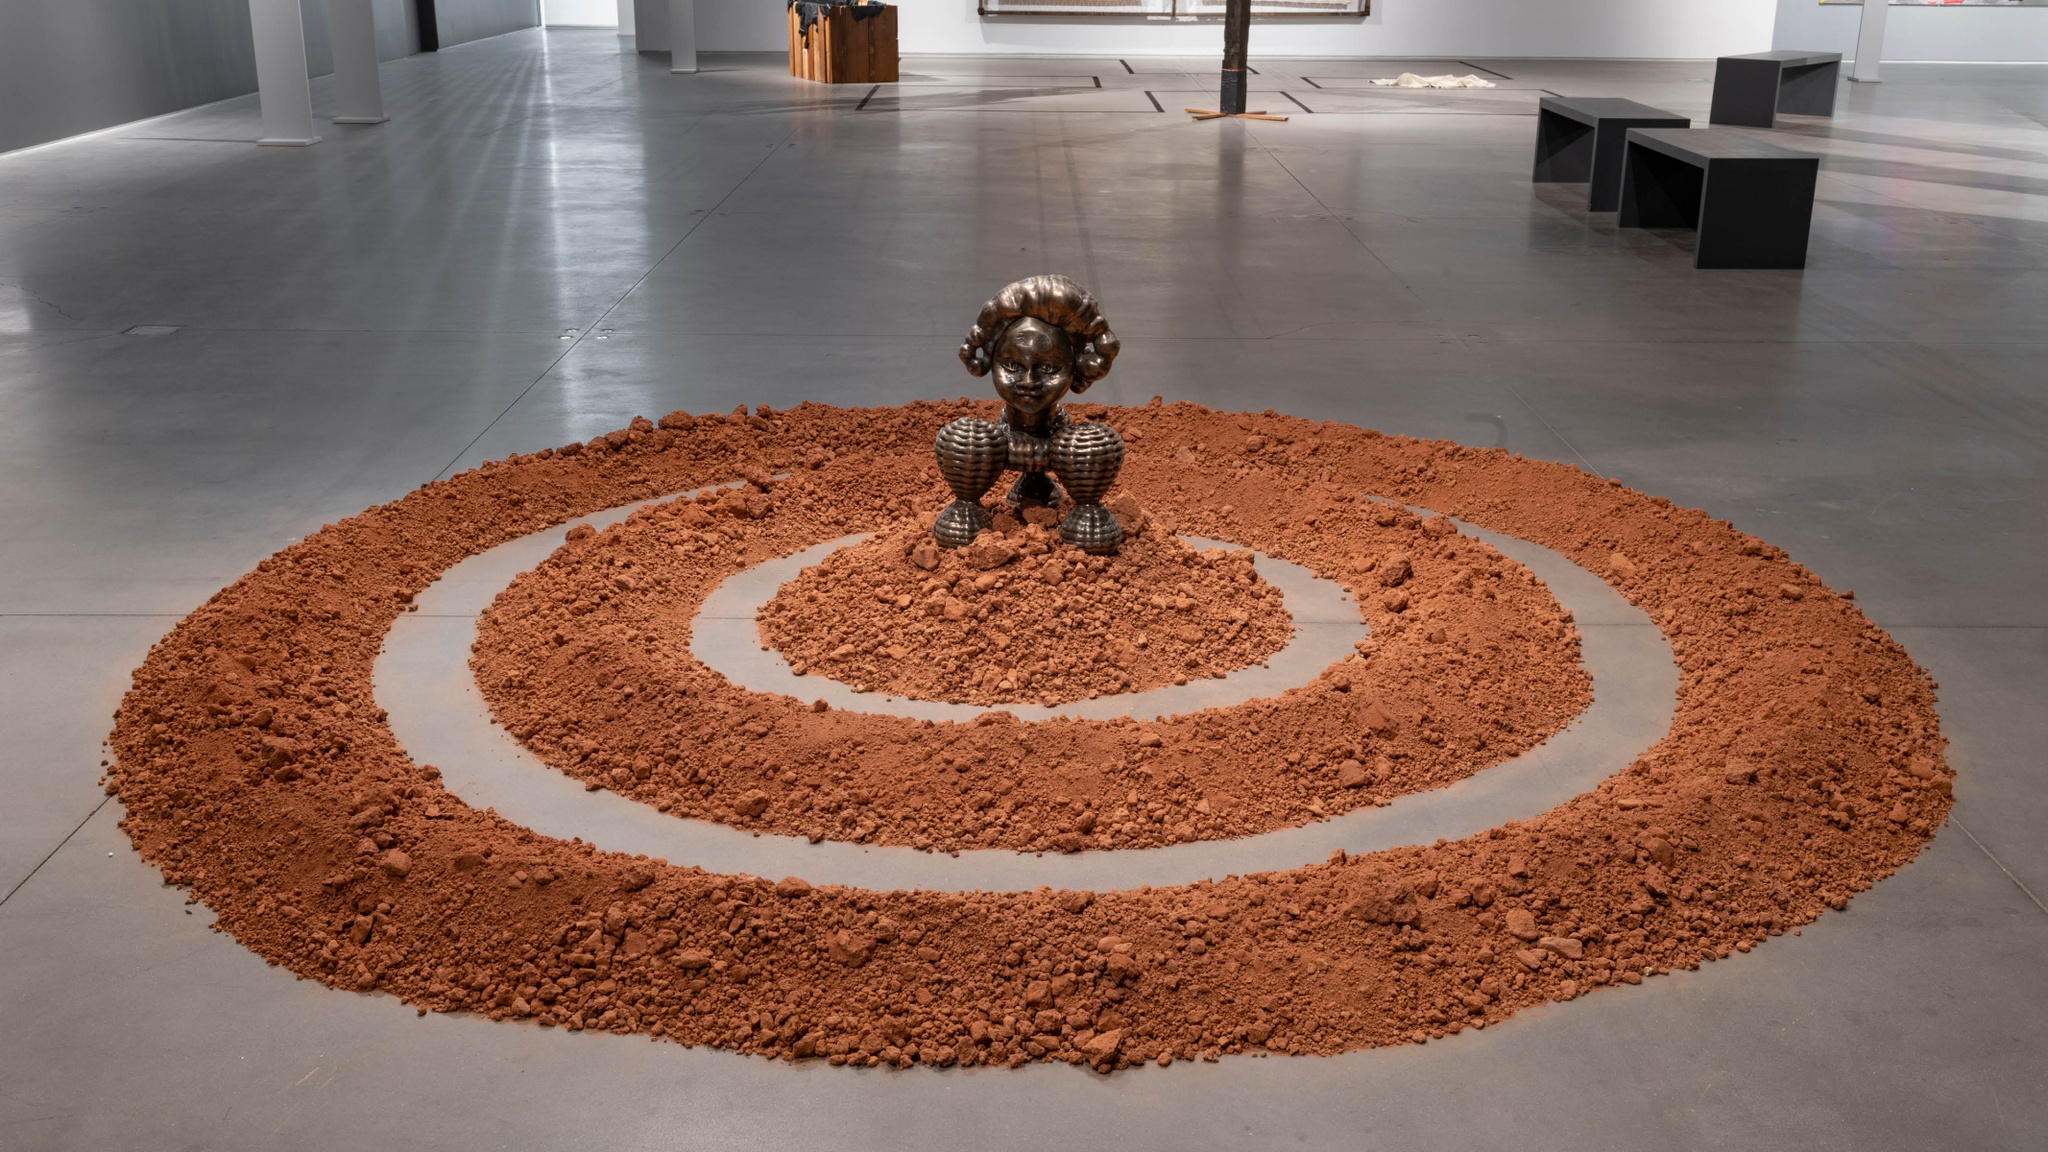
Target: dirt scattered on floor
{"type": "Point", "coordinates": [1805, 763]}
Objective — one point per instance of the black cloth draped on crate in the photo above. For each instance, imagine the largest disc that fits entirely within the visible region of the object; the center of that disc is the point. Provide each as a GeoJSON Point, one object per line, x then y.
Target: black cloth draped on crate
{"type": "Point", "coordinates": [809, 11]}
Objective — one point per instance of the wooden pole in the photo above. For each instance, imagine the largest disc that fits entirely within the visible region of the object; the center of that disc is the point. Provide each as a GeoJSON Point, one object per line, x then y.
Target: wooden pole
{"type": "Point", "coordinates": [1237, 27]}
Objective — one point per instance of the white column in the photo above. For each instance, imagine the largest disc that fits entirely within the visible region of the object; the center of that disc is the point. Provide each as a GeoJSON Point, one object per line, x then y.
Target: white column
{"type": "Point", "coordinates": [625, 17]}
{"type": "Point", "coordinates": [650, 25]}
{"type": "Point", "coordinates": [352, 27]}
{"type": "Point", "coordinates": [682, 35]}
{"type": "Point", "coordinates": [281, 73]}
{"type": "Point", "coordinates": [1869, 41]}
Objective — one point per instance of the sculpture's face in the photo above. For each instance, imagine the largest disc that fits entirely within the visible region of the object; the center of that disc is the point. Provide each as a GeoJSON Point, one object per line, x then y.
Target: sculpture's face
{"type": "Point", "coordinates": [1034, 366]}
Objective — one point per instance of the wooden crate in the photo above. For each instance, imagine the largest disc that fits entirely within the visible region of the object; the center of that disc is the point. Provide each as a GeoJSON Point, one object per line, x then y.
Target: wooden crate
{"type": "Point", "coordinates": [843, 49]}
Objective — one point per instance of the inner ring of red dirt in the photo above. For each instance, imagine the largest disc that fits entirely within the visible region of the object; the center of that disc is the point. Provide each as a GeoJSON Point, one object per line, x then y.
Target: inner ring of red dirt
{"type": "Point", "coordinates": [586, 660]}
{"type": "Point", "coordinates": [1805, 763]}
{"type": "Point", "coordinates": [1000, 623]}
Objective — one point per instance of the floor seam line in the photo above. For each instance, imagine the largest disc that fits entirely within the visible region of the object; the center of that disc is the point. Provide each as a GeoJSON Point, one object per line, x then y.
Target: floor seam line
{"type": "Point", "coordinates": [1341, 221]}
{"type": "Point", "coordinates": [1552, 429]}
{"type": "Point", "coordinates": [2017, 883]}
{"type": "Point", "coordinates": [67, 839]}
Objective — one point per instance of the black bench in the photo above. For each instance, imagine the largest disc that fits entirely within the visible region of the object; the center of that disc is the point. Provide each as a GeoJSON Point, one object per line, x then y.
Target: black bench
{"type": "Point", "coordinates": [1751, 90]}
{"type": "Point", "coordinates": [1578, 141]}
{"type": "Point", "coordinates": [1751, 202]}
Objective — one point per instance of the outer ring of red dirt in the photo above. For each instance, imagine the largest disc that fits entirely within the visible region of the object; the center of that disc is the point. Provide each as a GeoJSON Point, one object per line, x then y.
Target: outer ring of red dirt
{"type": "Point", "coordinates": [1805, 763]}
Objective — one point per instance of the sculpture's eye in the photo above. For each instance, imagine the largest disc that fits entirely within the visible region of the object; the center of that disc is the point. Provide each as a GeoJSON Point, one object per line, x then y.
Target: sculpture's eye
{"type": "Point", "coordinates": [1011, 367]}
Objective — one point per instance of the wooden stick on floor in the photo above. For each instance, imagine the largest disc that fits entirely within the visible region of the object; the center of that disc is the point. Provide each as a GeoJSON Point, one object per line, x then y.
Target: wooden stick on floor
{"type": "Point", "coordinates": [1212, 114]}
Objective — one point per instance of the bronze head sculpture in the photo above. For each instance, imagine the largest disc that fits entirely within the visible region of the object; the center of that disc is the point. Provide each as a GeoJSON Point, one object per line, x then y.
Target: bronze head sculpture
{"type": "Point", "coordinates": [1041, 337]}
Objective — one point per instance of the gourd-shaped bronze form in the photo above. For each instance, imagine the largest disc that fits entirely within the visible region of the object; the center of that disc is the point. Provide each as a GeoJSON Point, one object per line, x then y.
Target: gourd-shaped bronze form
{"type": "Point", "coordinates": [1040, 338]}
{"type": "Point", "coordinates": [1086, 456]}
{"type": "Point", "coordinates": [971, 456]}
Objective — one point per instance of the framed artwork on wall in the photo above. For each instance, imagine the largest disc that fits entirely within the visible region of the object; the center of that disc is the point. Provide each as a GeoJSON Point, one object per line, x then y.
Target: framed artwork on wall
{"type": "Point", "coordinates": [1947, 3]}
{"type": "Point", "coordinates": [1175, 9]}
{"type": "Point", "coordinates": [1266, 8]}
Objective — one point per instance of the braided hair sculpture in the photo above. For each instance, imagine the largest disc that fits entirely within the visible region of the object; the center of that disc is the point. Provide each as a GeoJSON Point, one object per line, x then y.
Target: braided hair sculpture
{"type": "Point", "coordinates": [1053, 300]}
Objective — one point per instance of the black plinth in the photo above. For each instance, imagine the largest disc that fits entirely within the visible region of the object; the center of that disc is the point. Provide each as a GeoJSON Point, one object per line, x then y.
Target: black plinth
{"type": "Point", "coordinates": [1751, 202]}
{"type": "Point", "coordinates": [1750, 90]}
{"type": "Point", "coordinates": [1231, 94]}
{"type": "Point", "coordinates": [1579, 138]}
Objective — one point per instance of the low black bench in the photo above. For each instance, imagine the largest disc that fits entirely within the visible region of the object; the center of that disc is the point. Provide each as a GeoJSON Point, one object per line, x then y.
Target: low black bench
{"type": "Point", "coordinates": [1751, 90]}
{"type": "Point", "coordinates": [1751, 202]}
{"type": "Point", "coordinates": [1578, 141]}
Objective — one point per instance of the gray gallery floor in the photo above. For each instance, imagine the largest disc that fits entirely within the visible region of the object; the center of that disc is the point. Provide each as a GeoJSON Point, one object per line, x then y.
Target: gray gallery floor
{"type": "Point", "coordinates": [551, 236]}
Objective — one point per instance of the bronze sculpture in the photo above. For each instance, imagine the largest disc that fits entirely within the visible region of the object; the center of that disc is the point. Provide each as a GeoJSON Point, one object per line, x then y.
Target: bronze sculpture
{"type": "Point", "coordinates": [1041, 337]}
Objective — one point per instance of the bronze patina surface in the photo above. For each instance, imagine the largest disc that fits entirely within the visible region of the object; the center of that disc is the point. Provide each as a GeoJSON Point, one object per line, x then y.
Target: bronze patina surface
{"type": "Point", "coordinates": [1041, 337]}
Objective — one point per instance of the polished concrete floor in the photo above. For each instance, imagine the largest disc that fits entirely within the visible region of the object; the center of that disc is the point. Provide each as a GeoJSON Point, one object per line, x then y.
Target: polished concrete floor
{"type": "Point", "coordinates": [551, 236]}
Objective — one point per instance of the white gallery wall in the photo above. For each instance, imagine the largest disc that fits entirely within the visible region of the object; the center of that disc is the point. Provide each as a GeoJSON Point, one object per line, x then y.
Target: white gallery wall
{"type": "Point", "coordinates": [1919, 32]}
{"type": "Point", "coordinates": [70, 66]}
{"type": "Point", "coordinates": [580, 13]}
{"type": "Point", "coordinates": [74, 65]}
{"type": "Point", "coordinates": [1640, 29]}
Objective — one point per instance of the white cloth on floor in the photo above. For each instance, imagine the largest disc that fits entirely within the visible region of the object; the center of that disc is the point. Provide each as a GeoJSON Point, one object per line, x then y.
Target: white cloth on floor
{"type": "Point", "coordinates": [1411, 80]}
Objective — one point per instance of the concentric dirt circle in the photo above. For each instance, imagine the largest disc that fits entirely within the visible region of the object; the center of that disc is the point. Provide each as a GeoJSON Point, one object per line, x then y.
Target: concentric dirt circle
{"type": "Point", "coordinates": [1805, 763]}
{"type": "Point", "coordinates": [586, 659]}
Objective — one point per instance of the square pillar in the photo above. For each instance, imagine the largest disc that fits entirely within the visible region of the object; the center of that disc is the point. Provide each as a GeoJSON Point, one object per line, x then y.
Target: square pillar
{"type": "Point", "coordinates": [281, 84]}
{"type": "Point", "coordinates": [1869, 41]}
{"type": "Point", "coordinates": [682, 35]}
{"type": "Point", "coordinates": [352, 28]}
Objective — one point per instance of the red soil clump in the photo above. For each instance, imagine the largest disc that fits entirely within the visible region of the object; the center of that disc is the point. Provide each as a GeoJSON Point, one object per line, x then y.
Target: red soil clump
{"type": "Point", "coordinates": [1805, 763]}
{"type": "Point", "coordinates": [585, 659]}
{"type": "Point", "coordinates": [999, 622]}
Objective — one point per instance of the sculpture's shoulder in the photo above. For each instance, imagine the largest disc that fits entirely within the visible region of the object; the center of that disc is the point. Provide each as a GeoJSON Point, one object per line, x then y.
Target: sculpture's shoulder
{"type": "Point", "coordinates": [973, 442]}
{"type": "Point", "coordinates": [1085, 432]}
